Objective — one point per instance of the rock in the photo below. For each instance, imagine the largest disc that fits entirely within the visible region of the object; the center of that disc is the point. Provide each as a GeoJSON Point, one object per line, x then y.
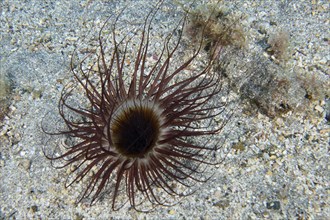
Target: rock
{"type": "Point", "coordinates": [24, 163]}
{"type": "Point", "coordinates": [222, 204]}
{"type": "Point", "coordinates": [276, 205]}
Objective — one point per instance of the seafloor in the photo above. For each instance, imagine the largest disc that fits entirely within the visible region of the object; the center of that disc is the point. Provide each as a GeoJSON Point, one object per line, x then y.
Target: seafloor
{"type": "Point", "coordinates": [277, 166]}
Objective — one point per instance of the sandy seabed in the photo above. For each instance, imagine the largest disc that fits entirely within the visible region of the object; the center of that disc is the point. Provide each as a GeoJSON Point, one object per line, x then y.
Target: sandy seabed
{"type": "Point", "coordinates": [276, 168]}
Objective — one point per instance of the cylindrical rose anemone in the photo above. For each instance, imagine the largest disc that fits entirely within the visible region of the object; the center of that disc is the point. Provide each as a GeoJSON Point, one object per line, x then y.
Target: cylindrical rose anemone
{"type": "Point", "coordinates": [141, 135]}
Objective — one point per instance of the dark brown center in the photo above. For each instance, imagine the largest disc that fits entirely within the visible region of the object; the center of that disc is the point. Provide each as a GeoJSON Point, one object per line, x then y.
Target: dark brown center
{"type": "Point", "coordinates": [135, 131]}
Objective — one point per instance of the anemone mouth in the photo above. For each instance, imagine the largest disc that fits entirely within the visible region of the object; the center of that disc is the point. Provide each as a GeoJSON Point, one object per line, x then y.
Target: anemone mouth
{"type": "Point", "coordinates": [135, 128]}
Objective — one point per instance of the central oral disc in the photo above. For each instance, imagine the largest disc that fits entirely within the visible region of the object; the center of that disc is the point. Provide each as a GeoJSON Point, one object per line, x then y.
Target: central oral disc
{"type": "Point", "coordinates": [135, 128]}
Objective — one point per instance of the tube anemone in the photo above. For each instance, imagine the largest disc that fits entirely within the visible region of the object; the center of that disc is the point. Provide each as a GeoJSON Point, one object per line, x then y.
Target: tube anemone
{"type": "Point", "coordinates": [144, 134]}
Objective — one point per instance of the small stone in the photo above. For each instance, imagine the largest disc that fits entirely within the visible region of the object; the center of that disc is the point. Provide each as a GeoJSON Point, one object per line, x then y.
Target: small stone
{"type": "Point", "coordinates": [273, 157]}
{"type": "Point", "coordinates": [171, 212]}
{"type": "Point", "coordinates": [319, 108]}
{"type": "Point", "coordinates": [72, 38]}
{"type": "Point", "coordinates": [222, 204]}
{"type": "Point", "coordinates": [78, 216]}
{"type": "Point", "coordinates": [239, 146]}
{"type": "Point", "coordinates": [36, 94]}
{"type": "Point", "coordinates": [276, 205]}
{"type": "Point", "coordinates": [64, 191]}
{"type": "Point", "coordinates": [265, 214]}
{"type": "Point", "coordinates": [217, 194]}
{"type": "Point", "coordinates": [2, 163]}
{"type": "Point", "coordinates": [262, 30]}
{"type": "Point", "coordinates": [281, 138]}
{"type": "Point", "coordinates": [325, 131]}
{"type": "Point", "coordinates": [279, 121]}
{"type": "Point", "coordinates": [279, 162]}
{"type": "Point", "coordinates": [34, 209]}
{"type": "Point", "coordinates": [269, 173]}
{"type": "Point", "coordinates": [25, 163]}
{"type": "Point", "coordinates": [22, 153]}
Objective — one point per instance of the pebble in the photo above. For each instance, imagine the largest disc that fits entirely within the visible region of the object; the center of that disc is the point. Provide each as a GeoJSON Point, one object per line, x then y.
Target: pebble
{"type": "Point", "coordinates": [276, 205]}
{"type": "Point", "coordinates": [171, 212]}
{"type": "Point", "coordinates": [24, 163]}
{"type": "Point", "coordinates": [74, 39]}
{"type": "Point", "coordinates": [273, 157]}
{"type": "Point", "coordinates": [279, 121]}
{"type": "Point", "coordinates": [36, 94]}
{"type": "Point", "coordinates": [269, 173]}
{"type": "Point", "coordinates": [319, 108]}
{"type": "Point", "coordinates": [2, 163]}
{"type": "Point", "coordinates": [222, 204]}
